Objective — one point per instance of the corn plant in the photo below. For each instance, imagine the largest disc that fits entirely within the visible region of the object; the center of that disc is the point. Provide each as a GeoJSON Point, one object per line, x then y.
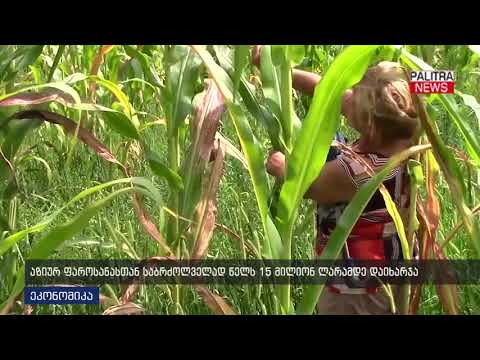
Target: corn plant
{"type": "Point", "coordinates": [187, 202]}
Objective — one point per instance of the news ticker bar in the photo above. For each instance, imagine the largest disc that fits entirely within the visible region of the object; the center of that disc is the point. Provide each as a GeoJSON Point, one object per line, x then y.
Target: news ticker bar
{"type": "Point", "coordinates": [244, 272]}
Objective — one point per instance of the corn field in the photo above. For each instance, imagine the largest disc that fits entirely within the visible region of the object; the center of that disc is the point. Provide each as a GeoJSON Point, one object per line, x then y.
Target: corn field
{"type": "Point", "coordinates": [158, 151]}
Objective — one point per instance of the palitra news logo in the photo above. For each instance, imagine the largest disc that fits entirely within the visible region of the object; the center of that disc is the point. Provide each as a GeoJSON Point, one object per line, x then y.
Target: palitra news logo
{"type": "Point", "coordinates": [432, 82]}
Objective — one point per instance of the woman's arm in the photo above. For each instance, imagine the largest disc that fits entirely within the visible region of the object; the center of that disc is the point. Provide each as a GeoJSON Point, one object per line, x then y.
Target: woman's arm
{"type": "Point", "coordinates": [330, 187]}
{"type": "Point", "coordinates": [303, 81]}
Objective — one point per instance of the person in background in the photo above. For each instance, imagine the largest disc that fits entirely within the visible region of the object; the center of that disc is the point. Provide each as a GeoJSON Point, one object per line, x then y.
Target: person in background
{"type": "Point", "coordinates": [381, 109]}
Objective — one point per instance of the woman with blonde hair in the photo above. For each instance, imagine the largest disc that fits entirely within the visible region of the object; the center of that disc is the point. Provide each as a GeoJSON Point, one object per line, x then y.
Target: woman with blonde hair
{"type": "Point", "coordinates": [380, 107]}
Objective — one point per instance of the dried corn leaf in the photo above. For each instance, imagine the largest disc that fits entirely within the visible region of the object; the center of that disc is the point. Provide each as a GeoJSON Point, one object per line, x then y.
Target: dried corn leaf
{"type": "Point", "coordinates": [207, 207]}
{"type": "Point", "coordinates": [125, 309]}
{"type": "Point", "coordinates": [231, 150]}
{"type": "Point", "coordinates": [107, 301]}
{"type": "Point", "coordinates": [27, 310]}
{"type": "Point", "coordinates": [97, 62]}
{"type": "Point", "coordinates": [215, 302]}
{"type": "Point", "coordinates": [129, 293]}
{"type": "Point", "coordinates": [37, 98]}
{"type": "Point", "coordinates": [209, 107]}
{"type": "Point", "coordinates": [71, 127]}
{"type": "Point", "coordinates": [132, 289]}
{"type": "Point", "coordinates": [429, 217]}
{"type": "Point", "coordinates": [208, 113]}
{"type": "Point", "coordinates": [448, 294]}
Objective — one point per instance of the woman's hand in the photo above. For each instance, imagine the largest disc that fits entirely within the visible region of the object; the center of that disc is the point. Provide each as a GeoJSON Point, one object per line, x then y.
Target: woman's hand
{"type": "Point", "coordinates": [303, 81]}
{"type": "Point", "coordinates": [276, 164]}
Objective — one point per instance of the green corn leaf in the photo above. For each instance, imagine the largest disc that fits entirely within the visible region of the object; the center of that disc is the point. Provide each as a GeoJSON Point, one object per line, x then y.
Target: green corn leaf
{"type": "Point", "coordinates": [240, 62]}
{"type": "Point", "coordinates": [475, 48]}
{"type": "Point", "coordinates": [120, 123]}
{"type": "Point", "coordinates": [121, 96]}
{"type": "Point", "coordinates": [4, 226]}
{"type": "Point", "coordinates": [58, 56]}
{"type": "Point", "coordinates": [415, 171]}
{"type": "Point", "coordinates": [11, 240]}
{"type": "Point", "coordinates": [145, 63]}
{"type": "Point", "coordinates": [471, 102]}
{"type": "Point", "coordinates": [137, 68]}
{"type": "Point", "coordinates": [140, 81]}
{"type": "Point", "coordinates": [74, 78]}
{"type": "Point", "coordinates": [45, 246]}
{"type": "Point", "coordinates": [50, 242]}
{"type": "Point", "coordinates": [295, 53]}
{"type": "Point", "coordinates": [270, 79]}
{"type": "Point", "coordinates": [14, 134]}
{"type": "Point", "coordinates": [36, 73]}
{"type": "Point", "coordinates": [6, 59]}
{"type": "Point", "coordinates": [348, 220]}
{"type": "Point", "coordinates": [259, 112]}
{"type": "Point", "coordinates": [30, 55]}
{"type": "Point", "coordinates": [453, 176]}
{"type": "Point", "coordinates": [471, 138]}
{"type": "Point", "coordinates": [311, 147]}
{"type": "Point", "coordinates": [287, 101]}
{"type": "Point", "coordinates": [162, 170]}
{"type": "Point", "coordinates": [278, 53]}
{"type": "Point", "coordinates": [254, 157]}
{"type": "Point", "coordinates": [145, 186]}
{"type": "Point", "coordinates": [182, 69]}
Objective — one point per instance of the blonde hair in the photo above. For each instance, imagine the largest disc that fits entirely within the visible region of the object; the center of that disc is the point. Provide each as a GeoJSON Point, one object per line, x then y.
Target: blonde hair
{"type": "Point", "coordinates": [382, 106]}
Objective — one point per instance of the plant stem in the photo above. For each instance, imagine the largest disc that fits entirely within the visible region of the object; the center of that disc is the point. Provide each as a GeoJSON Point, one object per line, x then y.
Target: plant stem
{"type": "Point", "coordinates": [58, 56]}
{"type": "Point", "coordinates": [404, 295]}
{"type": "Point", "coordinates": [287, 104]}
{"type": "Point", "coordinates": [287, 124]}
{"type": "Point", "coordinates": [412, 217]}
{"type": "Point", "coordinates": [173, 155]}
{"type": "Point", "coordinates": [412, 226]}
{"type": "Point", "coordinates": [284, 290]}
